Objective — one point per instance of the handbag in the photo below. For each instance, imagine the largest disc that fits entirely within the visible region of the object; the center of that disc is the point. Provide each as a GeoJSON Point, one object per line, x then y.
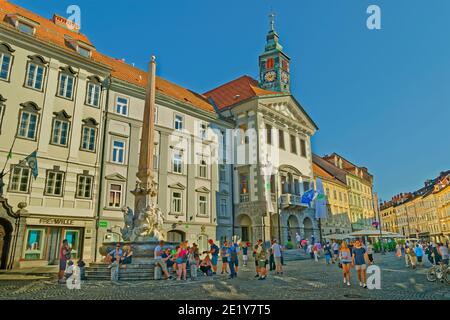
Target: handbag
{"type": "Point", "coordinates": [340, 265]}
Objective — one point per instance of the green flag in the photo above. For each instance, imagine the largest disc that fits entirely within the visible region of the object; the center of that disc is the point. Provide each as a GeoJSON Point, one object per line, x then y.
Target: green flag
{"type": "Point", "coordinates": [9, 157]}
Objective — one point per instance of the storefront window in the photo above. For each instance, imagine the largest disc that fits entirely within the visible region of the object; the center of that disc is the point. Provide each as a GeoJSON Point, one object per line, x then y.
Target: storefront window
{"type": "Point", "coordinates": [73, 238]}
{"type": "Point", "coordinates": [35, 244]}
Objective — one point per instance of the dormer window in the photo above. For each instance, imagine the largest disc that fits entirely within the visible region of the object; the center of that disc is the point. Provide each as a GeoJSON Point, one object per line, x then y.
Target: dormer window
{"type": "Point", "coordinates": [84, 52]}
{"type": "Point", "coordinates": [25, 28]}
{"type": "Point", "coordinates": [23, 24]}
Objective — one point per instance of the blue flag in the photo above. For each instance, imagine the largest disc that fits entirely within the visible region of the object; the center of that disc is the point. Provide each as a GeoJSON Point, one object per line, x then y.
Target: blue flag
{"type": "Point", "coordinates": [308, 197]}
{"type": "Point", "coordinates": [32, 162]}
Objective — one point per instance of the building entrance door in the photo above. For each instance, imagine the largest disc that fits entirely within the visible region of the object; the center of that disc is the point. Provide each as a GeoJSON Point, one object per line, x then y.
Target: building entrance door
{"type": "Point", "coordinates": [53, 246]}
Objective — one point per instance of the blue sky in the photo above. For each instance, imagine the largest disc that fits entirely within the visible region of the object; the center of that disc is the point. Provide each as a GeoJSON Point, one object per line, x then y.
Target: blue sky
{"type": "Point", "coordinates": [380, 98]}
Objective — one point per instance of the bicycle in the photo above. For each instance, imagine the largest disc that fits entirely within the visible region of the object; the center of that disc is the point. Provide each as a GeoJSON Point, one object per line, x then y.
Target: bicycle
{"type": "Point", "coordinates": [439, 272]}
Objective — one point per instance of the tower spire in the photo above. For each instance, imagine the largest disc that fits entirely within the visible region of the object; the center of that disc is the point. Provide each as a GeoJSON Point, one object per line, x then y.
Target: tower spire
{"type": "Point", "coordinates": [272, 21]}
{"type": "Point", "coordinates": [273, 62]}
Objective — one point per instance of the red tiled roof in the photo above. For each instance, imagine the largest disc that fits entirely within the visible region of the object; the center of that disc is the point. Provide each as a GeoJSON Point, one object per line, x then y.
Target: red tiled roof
{"type": "Point", "coordinates": [236, 91]}
{"type": "Point", "coordinates": [55, 34]}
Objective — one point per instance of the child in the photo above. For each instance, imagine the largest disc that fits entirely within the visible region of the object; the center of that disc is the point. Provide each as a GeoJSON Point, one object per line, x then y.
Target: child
{"type": "Point", "coordinates": [245, 254]}
{"type": "Point", "coordinates": [73, 276]}
{"type": "Point", "coordinates": [193, 263]}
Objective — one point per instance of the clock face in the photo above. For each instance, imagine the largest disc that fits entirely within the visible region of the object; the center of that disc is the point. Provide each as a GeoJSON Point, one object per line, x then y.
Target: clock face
{"type": "Point", "coordinates": [270, 76]}
{"type": "Point", "coordinates": [285, 77]}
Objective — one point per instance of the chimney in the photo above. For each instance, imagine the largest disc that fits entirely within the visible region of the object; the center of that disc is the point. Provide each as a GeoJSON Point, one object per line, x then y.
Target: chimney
{"type": "Point", "coordinates": [63, 22]}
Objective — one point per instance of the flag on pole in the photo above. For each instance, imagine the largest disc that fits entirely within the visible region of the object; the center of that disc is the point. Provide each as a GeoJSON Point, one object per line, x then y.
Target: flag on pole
{"type": "Point", "coordinates": [32, 162]}
{"type": "Point", "coordinates": [10, 155]}
{"type": "Point", "coordinates": [308, 197]}
{"type": "Point", "coordinates": [321, 201]}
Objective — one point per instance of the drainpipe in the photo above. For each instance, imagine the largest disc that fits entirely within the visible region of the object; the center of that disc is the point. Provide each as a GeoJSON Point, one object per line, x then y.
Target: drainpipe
{"type": "Point", "coordinates": [233, 210]}
{"type": "Point", "coordinates": [102, 158]}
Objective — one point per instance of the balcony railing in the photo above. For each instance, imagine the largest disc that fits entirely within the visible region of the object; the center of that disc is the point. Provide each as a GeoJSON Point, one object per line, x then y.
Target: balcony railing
{"type": "Point", "coordinates": [245, 198]}
{"type": "Point", "coordinates": [291, 201]}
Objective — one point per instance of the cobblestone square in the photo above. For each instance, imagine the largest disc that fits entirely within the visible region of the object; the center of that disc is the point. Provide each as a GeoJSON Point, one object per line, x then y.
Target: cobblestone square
{"type": "Point", "coordinates": [304, 279]}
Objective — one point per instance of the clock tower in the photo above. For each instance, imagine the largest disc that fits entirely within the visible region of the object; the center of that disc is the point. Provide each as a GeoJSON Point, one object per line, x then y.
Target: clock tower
{"type": "Point", "coordinates": [274, 64]}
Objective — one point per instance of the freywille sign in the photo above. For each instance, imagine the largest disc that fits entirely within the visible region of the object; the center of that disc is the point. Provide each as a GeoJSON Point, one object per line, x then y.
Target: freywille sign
{"type": "Point", "coordinates": [66, 222]}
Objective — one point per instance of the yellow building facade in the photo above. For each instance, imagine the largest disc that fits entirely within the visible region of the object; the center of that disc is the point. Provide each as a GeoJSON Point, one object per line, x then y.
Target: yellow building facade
{"type": "Point", "coordinates": [338, 220]}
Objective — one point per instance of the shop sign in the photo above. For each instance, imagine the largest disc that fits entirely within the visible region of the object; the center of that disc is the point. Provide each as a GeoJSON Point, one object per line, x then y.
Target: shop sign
{"type": "Point", "coordinates": [103, 224]}
{"type": "Point", "coordinates": [57, 221]}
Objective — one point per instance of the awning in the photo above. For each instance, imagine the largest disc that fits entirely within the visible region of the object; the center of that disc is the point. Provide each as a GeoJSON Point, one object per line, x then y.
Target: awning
{"type": "Point", "coordinates": [375, 234]}
{"type": "Point", "coordinates": [337, 236]}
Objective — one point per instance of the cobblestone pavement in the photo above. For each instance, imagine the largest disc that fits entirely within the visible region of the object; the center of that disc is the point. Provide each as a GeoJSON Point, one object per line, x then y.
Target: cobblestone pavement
{"type": "Point", "coordinates": [301, 280]}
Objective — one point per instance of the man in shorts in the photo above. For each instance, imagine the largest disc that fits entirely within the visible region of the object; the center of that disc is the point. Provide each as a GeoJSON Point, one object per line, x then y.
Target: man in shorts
{"type": "Point", "coordinates": [276, 251]}
{"type": "Point", "coordinates": [261, 258]}
{"type": "Point", "coordinates": [359, 262]}
{"type": "Point", "coordinates": [159, 261]}
{"type": "Point", "coordinates": [214, 251]}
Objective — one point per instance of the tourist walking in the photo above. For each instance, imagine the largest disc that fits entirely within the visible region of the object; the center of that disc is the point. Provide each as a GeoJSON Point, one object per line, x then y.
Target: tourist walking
{"type": "Point", "coordinates": [272, 265]}
{"type": "Point", "coordinates": [407, 257]}
{"type": "Point", "coordinates": [412, 256]}
{"type": "Point", "coordinates": [310, 251]}
{"type": "Point", "coordinates": [261, 256]}
{"type": "Point", "coordinates": [236, 261]}
{"type": "Point", "coordinates": [419, 254]}
{"type": "Point", "coordinates": [370, 252]}
{"type": "Point", "coordinates": [335, 248]}
{"type": "Point", "coordinates": [214, 251]}
{"type": "Point", "coordinates": [233, 260]}
{"type": "Point", "coordinates": [345, 260]}
{"type": "Point", "coordinates": [276, 251]}
{"type": "Point", "coordinates": [398, 249]}
{"type": "Point", "coordinates": [359, 254]}
{"type": "Point", "coordinates": [315, 249]}
{"type": "Point", "coordinates": [224, 254]}
{"type": "Point", "coordinates": [181, 257]}
{"type": "Point", "coordinates": [328, 254]}
{"type": "Point", "coordinates": [65, 254]}
{"type": "Point", "coordinates": [298, 240]}
{"type": "Point", "coordinates": [245, 254]}
{"type": "Point", "coordinates": [255, 249]}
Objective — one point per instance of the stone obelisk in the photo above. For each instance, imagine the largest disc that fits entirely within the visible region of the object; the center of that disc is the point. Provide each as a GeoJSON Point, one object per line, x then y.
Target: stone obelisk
{"type": "Point", "coordinates": [148, 219]}
{"type": "Point", "coordinates": [145, 173]}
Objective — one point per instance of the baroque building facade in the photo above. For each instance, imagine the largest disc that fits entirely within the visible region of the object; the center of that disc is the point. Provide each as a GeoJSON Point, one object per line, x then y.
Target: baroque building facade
{"type": "Point", "coordinates": [81, 111]}
{"type": "Point", "coordinates": [272, 154]}
{"type": "Point", "coordinates": [337, 193]}
{"type": "Point", "coordinates": [422, 214]}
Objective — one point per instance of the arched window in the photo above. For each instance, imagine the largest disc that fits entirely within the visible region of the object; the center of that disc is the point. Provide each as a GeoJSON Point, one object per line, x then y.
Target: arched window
{"type": "Point", "coordinates": [60, 129]}
{"type": "Point", "coordinates": [6, 59]}
{"type": "Point", "coordinates": [35, 76]}
{"type": "Point", "coordinates": [28, 121]}
{"type": "Point", "coordinates": [66, 87]}
{"type": "Point", "coordinates": [93, 91]}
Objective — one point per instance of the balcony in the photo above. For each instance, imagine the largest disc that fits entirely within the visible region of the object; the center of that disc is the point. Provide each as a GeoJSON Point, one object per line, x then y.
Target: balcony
{"type": "Point", "coordinates": [245, 198]}
{"type": "Point", "coordinates": [291, 201]}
